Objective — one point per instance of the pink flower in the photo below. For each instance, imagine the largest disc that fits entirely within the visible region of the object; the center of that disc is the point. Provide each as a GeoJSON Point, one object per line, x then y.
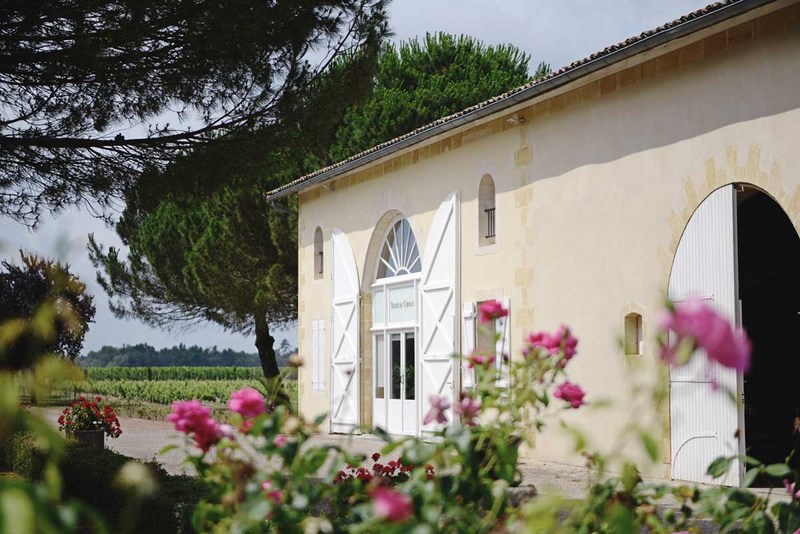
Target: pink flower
{"type": "Point", "coordinates": [275, 495]}
{"type": "Point", "coordinates": [191, 417]}
{"type": "Point", "coordinates": [476, 359]}
{"type": "Point", "coordinates": [439, 407]}
{"type": "Point", "coordinates": [491, 310]}
{"type": "Point", "coordinates": [790, 489]}
{"type": "Point", "coordinates": [698, 322]}
{"type": "Point", "coordinates": [569, 343]}
{"type": "Point", "coordinates": [186, 415]}
{"type": "Point", "coordinates": [561, 340]}
{"type": "Point", "coordinates": [247, 402]}
{"type": "Point", "coordinates": [280, 440]}
{"type": "Point", "coordinates": [207, 434]}
{"type": "Point", "coordinates": [468, 408]}
{"type": "Point", "coordinates": [572, 393]}
{"type": "Point", "coordinates": [391, 505]}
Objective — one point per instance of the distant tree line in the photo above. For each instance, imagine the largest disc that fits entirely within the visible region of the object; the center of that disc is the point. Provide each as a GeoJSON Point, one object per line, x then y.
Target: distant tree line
{"type": "Point", "coordinates": [144, 355]}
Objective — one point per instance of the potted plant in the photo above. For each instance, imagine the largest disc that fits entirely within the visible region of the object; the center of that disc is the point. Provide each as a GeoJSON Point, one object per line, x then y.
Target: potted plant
{"type": "Point", "coordinates": [89, 422]}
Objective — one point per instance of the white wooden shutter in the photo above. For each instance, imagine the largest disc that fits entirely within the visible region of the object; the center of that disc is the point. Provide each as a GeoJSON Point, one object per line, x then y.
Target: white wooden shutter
{"type": "Point", "coordinates": [468, 345]}
{"type": "Point", "coordinates": [318, 359]}
{"type": "Point", "coordinates": [502, 347]}
{"type": "Point", "coordinates": [704, 421]}
{"type": "Point", "coordinates": [439, 306]}
{"type": "Point", "coordinates": [345, 336]}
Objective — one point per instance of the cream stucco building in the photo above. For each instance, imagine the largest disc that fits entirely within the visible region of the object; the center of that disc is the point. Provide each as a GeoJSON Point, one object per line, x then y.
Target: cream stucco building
{"type": "Point", "coordinates": [668, 164]}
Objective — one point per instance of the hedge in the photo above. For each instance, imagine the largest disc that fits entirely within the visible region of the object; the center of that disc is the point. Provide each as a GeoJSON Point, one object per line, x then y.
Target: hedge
{"type": "Point", "coordinates": [89, 475]}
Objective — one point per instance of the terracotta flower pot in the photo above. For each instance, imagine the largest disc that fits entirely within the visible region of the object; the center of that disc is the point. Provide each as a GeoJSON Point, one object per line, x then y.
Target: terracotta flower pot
{"type": "Point", "coordinates": [96, 439]}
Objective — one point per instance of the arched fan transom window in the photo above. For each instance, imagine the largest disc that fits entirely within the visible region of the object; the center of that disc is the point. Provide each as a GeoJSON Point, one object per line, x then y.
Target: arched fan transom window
{"type": "Point", "coordinates": [400, 254]}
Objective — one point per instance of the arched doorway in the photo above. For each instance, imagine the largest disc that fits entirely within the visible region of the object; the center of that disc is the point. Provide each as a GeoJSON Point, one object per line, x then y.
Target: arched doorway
{"type": "Point", "coordinates": [769, 290]}
{"type": "Point", "coordinates": [395, 331]}
{"type": "Point", "coordinates": [741, 253]}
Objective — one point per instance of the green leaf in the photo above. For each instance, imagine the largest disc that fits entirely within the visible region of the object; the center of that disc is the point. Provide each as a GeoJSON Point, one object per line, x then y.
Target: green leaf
{"type": "Point", "coordinates": [719, 467]}
{"type": "Point", "coordinates": [788, 516]}
{"type": "Point", "coordinates": [650, 446]}
{"type": "Point", "coordinates": [778, 470]}
{"type": "Point", "coordinates": [167, 449]}
{"type": "Point", "coordinates": [319, 419]}
{"type": "Point", "coordinates": [749, 460]}
{"type": "Point", "coordinates": [750, 476]}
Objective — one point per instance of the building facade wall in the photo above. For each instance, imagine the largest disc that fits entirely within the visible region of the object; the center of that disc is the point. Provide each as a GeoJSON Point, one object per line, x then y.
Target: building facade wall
{"type": "Point", "coordinates": [593, 192]}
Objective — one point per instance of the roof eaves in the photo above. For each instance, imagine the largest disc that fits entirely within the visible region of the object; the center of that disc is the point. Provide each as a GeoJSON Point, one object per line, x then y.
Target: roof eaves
{"type": "Point", "coordinates": [681, 27]}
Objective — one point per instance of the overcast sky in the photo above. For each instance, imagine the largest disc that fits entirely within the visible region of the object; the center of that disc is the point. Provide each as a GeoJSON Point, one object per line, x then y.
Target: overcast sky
{"type": "Point", "coordinates": [555, 31]}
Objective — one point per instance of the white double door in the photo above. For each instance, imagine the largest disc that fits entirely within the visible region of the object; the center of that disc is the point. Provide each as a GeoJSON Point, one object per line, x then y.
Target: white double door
{"type": "Point", "coordinates": [396, 377]}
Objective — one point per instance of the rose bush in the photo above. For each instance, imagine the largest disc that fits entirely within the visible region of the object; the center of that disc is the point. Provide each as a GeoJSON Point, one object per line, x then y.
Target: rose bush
{"type": "Point", "coordinates": [266, 476]}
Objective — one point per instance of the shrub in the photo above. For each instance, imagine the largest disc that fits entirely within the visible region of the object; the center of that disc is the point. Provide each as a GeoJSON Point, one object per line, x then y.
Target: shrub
{"type": "Point", "coordinates": [89, 475]}
{"type": "Point", "coordinates": [22, 454]}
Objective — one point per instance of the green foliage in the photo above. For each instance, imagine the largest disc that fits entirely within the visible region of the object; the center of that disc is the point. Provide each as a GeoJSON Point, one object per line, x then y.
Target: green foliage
{"type": "Point", "coordinates": [22, 453]}
{"type": "Point", "coordinates": [90, 476]}
{"type": "Point", "coordinates": [73, 73]}
{"type": "Point", "coordinates": [168, 391]}
{"type": "Point", "coordinates": [31, 445]}
{"type": "Point", "coordinates": [144, 355]}
{"type": "Point", "coordinates": [44, 309]}
{"type": "Point", "coordinates": [173, 373]}
{"type": "Point", "coordinates": [420, 82]}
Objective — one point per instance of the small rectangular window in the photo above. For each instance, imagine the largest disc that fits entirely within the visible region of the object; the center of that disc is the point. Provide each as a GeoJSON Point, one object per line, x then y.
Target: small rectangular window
{"type": "Point", "coordinates": [633, 338]}
{"type": "Point", "coordinates": [319, 259]}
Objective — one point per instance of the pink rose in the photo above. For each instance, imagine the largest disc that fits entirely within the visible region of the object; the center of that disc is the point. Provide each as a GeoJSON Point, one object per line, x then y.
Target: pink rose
{"type": "Point", "coordinates": [247, 402]}
{"type": "Point", "coordinates": [191, 417]}
{"type": "Point", "coordinates": [207, 434]}
{"type": "Point", "coordinates": [439, 407]}
{"type": "Point", "coordinates": [469, 409]}
{"type": "Point", "coordinates": [477, 359]}
{"type": "Point", "coordinates": [698, 322]}
{"type": "Point", "coordinates": [491, 310]}
{"type": "Point", "coordinates": [391, 505]}
{"type": "Point", "coordinates": [568, 342]}
{"type": "Point", "coordinates": [280, 440]}
{"type": "Point", "coordinates": [185, 415]}
{"type": "Point", "coordinates": [571, 393]}
{"type": "Point", "coordinates": [275, 495]}
{"type": "Point", "coordinates": [561, 340]}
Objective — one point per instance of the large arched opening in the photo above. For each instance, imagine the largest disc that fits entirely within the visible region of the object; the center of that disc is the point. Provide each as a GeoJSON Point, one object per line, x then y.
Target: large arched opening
{"type": "Point", "coordinates": [769, 290]}
{"type": "Point", "coordinates": [741, 253]}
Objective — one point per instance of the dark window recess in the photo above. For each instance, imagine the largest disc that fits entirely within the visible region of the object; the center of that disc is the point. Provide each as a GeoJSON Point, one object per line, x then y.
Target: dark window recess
{"type": "Point", "coordinates": [490, 223]}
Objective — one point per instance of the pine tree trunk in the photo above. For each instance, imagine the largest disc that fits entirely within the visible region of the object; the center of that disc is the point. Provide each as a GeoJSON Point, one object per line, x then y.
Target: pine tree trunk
{"type": "Point", "coordinates": [265, 344]}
